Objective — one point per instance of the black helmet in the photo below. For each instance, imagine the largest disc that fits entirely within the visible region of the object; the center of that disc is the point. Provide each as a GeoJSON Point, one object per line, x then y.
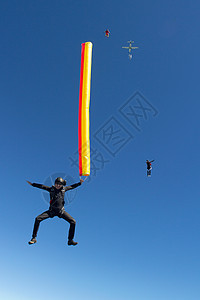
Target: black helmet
{"type": "Point", "coordinates": [59, 180]}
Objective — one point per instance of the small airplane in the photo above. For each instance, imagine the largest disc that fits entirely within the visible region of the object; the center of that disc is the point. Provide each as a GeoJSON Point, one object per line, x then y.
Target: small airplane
{"type": "Point", "coordinates": [130, 48]}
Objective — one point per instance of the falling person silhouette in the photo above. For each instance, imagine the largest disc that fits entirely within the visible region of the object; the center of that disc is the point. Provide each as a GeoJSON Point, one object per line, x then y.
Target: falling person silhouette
{"type": "Point", "coordinates": [56, 208]}
{"type": "Point", "coordinates": [107, 33]}
{"type": "Point", "coordinates": [149, 167]}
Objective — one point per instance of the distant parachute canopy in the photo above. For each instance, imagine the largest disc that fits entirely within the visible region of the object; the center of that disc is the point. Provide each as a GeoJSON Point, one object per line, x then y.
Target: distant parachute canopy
{"type": "Point", "coordinates": [84, 104]}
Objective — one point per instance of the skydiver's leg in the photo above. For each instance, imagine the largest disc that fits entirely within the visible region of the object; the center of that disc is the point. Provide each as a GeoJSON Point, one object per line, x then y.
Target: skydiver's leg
{"type": "Point", "coordinates": [149, 172]}
{"type": "Point", "coordinates": [72, 223]}
{"type": "Point", "coordinates": [45, 215]}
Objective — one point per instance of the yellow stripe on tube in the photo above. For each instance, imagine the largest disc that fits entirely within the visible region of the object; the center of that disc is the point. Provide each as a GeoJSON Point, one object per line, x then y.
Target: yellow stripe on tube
{"type": "Point", "coordinates": [85, 110]}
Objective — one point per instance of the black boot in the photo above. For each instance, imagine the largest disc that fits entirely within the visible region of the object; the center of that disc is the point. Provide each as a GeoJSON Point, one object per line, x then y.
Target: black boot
{"type": "Point", "coordinates": [32, 241]}
{"type": "Point", "coordinates": [72, 243]}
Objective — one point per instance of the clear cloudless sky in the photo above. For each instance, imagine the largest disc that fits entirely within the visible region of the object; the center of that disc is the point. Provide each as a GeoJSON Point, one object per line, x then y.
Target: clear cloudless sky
{"type": "Point", "coordinates": [138, 237]}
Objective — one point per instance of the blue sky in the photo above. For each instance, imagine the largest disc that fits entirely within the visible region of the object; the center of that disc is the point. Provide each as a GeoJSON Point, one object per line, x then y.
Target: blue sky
{"type": "Point", "coordinates": [138, 237]}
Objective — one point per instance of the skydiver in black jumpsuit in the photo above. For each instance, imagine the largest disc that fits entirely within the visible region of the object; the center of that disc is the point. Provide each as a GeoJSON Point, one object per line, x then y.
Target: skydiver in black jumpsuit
{"type": "Point", "coordinates": [57, 193]}
{"type": "Point", "coordinates": [149, 167]}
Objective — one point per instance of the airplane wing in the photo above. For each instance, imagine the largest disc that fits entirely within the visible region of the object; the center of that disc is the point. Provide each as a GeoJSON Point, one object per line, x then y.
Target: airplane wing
{"type": "Point", "coordinates": [134, 47]}
{"type": "Point", "coordinates": [125, 47]}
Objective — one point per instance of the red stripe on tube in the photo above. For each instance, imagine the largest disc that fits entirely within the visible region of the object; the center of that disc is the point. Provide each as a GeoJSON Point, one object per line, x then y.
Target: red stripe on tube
{"type": "Point", "coordinates": [80, 110]}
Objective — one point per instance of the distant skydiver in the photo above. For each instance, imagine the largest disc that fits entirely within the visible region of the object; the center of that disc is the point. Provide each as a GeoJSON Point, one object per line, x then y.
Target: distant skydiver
{"type": "Point", "coordinates": [107, 32]}
{"type": "Point", "coordinates": [149, 167]}
{"type": "Point", "coordinates": [56, 208]}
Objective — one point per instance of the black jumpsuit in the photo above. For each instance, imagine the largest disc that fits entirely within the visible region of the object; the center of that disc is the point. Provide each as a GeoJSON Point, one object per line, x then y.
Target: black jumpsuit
{"type": "Point", "coordinates": [148, 165]}
{"type": "Point", "coordinates": [56, 207]}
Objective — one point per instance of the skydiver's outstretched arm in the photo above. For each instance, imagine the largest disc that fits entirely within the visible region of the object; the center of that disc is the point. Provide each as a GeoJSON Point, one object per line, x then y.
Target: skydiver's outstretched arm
{"type": "Point", "coordinates": [73, 186]}
{"type": "Point", "coordinates": [29, 182]}
{"type": "Point", "coordinates": [152, 161]}
{"type": "Point", "coordinates": [40, 186]}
